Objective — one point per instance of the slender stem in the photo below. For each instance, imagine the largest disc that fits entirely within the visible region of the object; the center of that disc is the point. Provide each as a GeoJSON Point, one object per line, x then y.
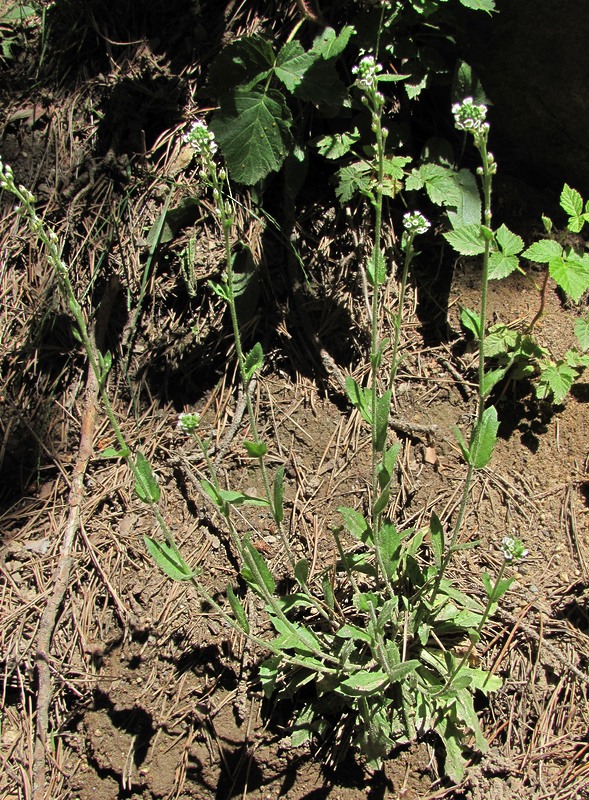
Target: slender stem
{"type": "Point", "coordinates": [399, 316]}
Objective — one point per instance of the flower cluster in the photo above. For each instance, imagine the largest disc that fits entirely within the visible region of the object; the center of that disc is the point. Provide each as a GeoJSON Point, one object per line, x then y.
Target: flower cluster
{"type": "Point", "coordinates": [513, 549]}
{"type": "Point", "coordinates": [201, 139]}
{"type": "Point", "coordinates": [470, 116]}
{"type": "Point", "coordinates": [414, 222]}
{"type": "Point", "coordinates": [188, 422]}
{"type": "Point", "coordinates": [367, 72]}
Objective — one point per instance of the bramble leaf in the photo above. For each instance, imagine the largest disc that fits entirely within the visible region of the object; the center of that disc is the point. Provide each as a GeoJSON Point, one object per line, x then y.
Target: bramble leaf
{"type": "Point", "coordinates": [582, 332]}
{"type": "Point", "coordinates": [336, 145]}
{"type": "Point", "coordinates": [440, 183]}
{"type": "Point", "coordinates": [253, 132]}
{"type": "Point", "coordinates": [543, 252]}
{"type": "Point", "coordinates": [467, 240]}
{"type": "Point", "coordinates": [246, 60]}
{"type": "Point", "coordinates": [291, 64]}
{"type": "Point", "coordinates": [330, 44]}
{"type": "Point", "coordinates": [479, 5]}
{"type": "Point", "coordinates": [572, 274]}
{"type": "Point", "coordinates": [555, 381]}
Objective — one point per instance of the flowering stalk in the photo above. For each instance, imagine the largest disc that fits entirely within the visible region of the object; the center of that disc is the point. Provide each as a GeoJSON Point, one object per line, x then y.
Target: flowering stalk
{"type": "Point", "coordinates": [415, 224]}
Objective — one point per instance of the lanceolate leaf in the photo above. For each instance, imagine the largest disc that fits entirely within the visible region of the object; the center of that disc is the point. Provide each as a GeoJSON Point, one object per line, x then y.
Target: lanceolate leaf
{"type": "Point", "coordinates": [484, 438]}
{"type": "Point", "coordinates": [253, 131]}
{"type": "Point", "coordinates": [168, 557]}
{"type": "Point", "coordinates": [238, 610]}
{"type": "Point", "coordinates": [145, 483]}
{"type": "Point", "coordinates": [253, 361]}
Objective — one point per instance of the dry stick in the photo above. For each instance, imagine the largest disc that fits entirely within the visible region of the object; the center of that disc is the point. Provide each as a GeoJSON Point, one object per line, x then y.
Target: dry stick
{"type": "Point", "coordinates": [62, 572]}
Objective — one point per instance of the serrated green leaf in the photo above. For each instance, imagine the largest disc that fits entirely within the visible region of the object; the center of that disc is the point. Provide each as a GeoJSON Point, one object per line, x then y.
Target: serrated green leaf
{"type": "Point", "coordinates": [582, 332]}
{"type": "Point", "coordinates": [291, 64]}
{"type": "Point", "coordinates": [441, 184]}
{"type": "Point", "coordinates": [352, 179]}
{"type": "Point", "coordinates": [146, 486]}
{"type": "Point", "coordinates": [555, 381]}
{"type": "Point", "coordinates": [484, 438]}
{"type": "Point", "coordinates": [254, 361]}
{"type": "Point", "coordinates": [322, 86]}
{"type": "Point", "coordinates": [238, 610]}
{"type": "Point", "coordinates": [278, 494]}
{"type": "Point", "coordinates": [571, 201]}
{"type": "Point", "coordinates": [467, 240]}
{"type": "Point", "coordinates": [168, 558]}
{"type": "Point", "coordinates": [509, 243]}
{"type": "Point", "coordinates": [543, 252]}
{"type": "Point", "coordinates": [245, 61]}
{"type": "Point", "coordinates": [500, 266]}
{"type": "Point", "coordinates": [337, 145]}
{"type": "Point", "coordinates": [571, 274]}
{"type": "Point", "coordinates": [253, 132]}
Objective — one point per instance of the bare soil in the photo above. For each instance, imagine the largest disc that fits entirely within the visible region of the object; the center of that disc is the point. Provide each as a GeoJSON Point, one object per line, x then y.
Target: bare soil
{"type": "Point", "coordinates": [152, 697]}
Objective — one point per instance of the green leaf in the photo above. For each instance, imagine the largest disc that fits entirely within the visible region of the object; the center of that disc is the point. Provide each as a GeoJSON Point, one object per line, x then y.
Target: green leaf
{"type": "Point", "coordinates": [571, 274]}
{"type": "Point", "coordinates": [359, 398]}
{"type": "Point", "coordinates": [278, 493]}
{"type": "Point", "coordinates": [582, 332]}
{"type": "Point", "coordinates": [382, 501]}
{"type": "Point", "coordinates": [555, 381]}
{"type": "Point", "coordinates": [436, 536]}
{"type": "Point", "coordinates": [376, 269]}
{"type": "Point", "coordinates": [469, 209]}
{"type": "Point", "coordinates": [268, 673]}
{"type": "Point", "coordinates": [484, 438]}
{"type": "Point", "coordinates": [492, 378]}
{"type": "Point", "coordinates": [543, 252]}
{"type": "Point", "coordinates": [301, 571]}
{"type": "Point", "coordinates": [168, 558]}
{"type": "Point", "coordinates": [256, 449]}
{"type": "Point", "coordinates": [462, 444]}
{"type": "Point", "coordinates": [441, 184]}
{"type": "Point", "coordinates": [364, 683]}
{"type": "Point", "coordinates": [349, 631]}
{"type": "Point", "coordinates": [244, 61]}
{"type": "Point", "coordinates": [387, 543]}
{"type": "Point", "coordinates": [352, 179]}
{"type": "Point", "coordinates": [330, 44]}
{"type": "Point", "coordinates": [399, 671]}
{"type": "Point", "coordinates": [355, 524]}
{"type": "Point", "coordinates": [253, 361]}
{"type": "Point", "coordinates": [337, 145]}
{"type": "Point", "coordinates": [146, 486]}
{"type": "Point", "coordinates": [479, 5]}
{"type": "Point", "coordinates": [112, 452]}
{"type": "Point", "coordinates": [500, 266]}
{"type": "Point", "coordinates": [572, 202]}
{"type": "Point", "coordinates": [220, 290]}
{"type": "Point", "coordinates": [471, 321]}
{"type": "Point", "coordinates": [292, 63]}
{"type": "Point", "coordinates": [238, 610]}
{"type": "Point", "coordinates": [383, 409]}
{"type": "Point", "coordinates": [253, 132]}
{"type": "Point", "coordinates": [467, 240]}
{"type": "Point", "coordinates": [322, 86]}
{"type": "Point", "coordinates": [261, 566]}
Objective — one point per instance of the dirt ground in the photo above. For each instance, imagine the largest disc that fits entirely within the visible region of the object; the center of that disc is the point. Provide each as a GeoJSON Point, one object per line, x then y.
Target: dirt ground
{"type": "Point", "coordinates": [151, 696]}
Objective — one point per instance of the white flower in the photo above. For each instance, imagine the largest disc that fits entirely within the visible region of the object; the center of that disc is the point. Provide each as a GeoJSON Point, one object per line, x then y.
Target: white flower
{"type": "Point", "coordinates": [367, 72]}
{"type": "Point", "coordinates": [470, 116]}
{"type": "Point", "coordinates": [188, 422]}
{"type": "Point", "coordinates": [415, 222]}
{"type": "Point", "coordinates": [201, 139]}
{"type": "Point", "coordinates": [513, 548]}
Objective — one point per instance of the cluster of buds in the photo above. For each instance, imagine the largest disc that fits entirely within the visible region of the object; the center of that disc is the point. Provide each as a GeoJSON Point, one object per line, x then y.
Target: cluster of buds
{"type": "Point", "coordinates": [188, 422]}
{"type": "Point", "coordinates": [415, 223]}
{"type": "Point", "coordinates": [471, 116]}
{"type": "Point", "coordinates": [513, 549]}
